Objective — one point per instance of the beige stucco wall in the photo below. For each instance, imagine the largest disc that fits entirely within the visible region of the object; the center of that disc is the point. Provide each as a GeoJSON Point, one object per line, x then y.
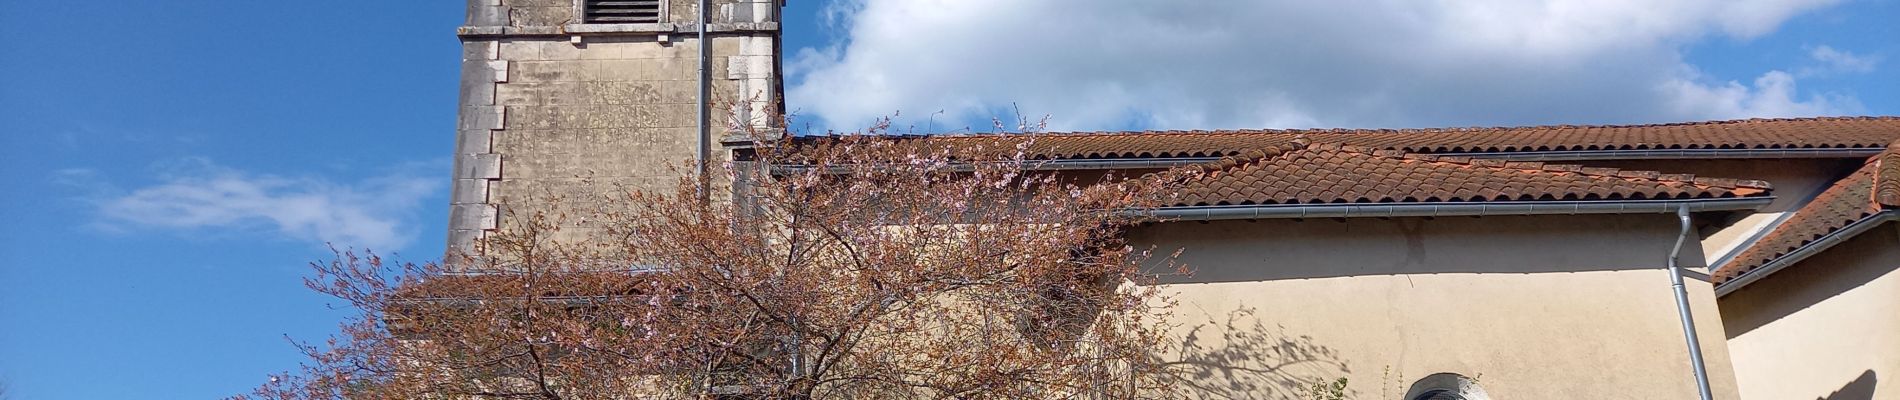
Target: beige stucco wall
{"type": "Point", "coordinates": [1535, 307]}
{"type": "Point", "coordinates": [1827, 327]}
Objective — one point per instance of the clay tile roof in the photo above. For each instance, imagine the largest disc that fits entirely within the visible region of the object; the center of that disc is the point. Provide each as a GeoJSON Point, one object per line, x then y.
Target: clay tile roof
{"type": "Point", "coordinates": [1874, 188]}
{"type": "Point", "coordinates": [1332, 173]}
{"type": "Point", "coordinates": [1789, 133]}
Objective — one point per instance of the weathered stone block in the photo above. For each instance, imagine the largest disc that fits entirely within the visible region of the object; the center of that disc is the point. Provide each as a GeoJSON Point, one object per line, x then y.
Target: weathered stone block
{"type": "Point", "coordinates": [576, 193]}
{"type": "Point", "coordinates": [601, 116]}
{"type": "Point", "coordinates": [476, 89]}
{"type": "Point", "coordinates": [469, 191]}
{"type": "Point", "coordinates": [540, 3]}
{"type": "Point", "coordinates": [642, 69]}
{"type": "Point", "coordinates": [756, 46]}
{"type": "Point", "coordinates": [596, 165]}
{"type": "Point", "coordinates": [481, 117]}
{"type": "Point", "coordinates": [498, 71]}
{"type": "Point", "coordinates": [520, 50]}
{"type": "Point", "coordinates": [486, 13]}
{"type": "Point", "coordinates": [472, 216]}
{"type": "Point", "coordinates": [472, 141]}
{"type": "Point", "coordinates": [682, 11]}
{"type": "Point", "coordinates": [520, 94]}
{"type": "Point", "coordinates": [479, 50]}
{"type": "Point", "coordinates": [541, 16]}
{"type": "Point", "coordinates": [562, 50]}
{"type": "Point", "coordinates": [586, 93]}
{"type": "Point", "coordinates": [723, 46]}
{"type": "Point", "coordinates": [647, 47]}
{"type": "Point", "coordinates": [478, 166]}
{"type": "Point", "coordinates": [629, 93]}
{"type": "Point", "coordinates": [747, 67]}
{"type": "Point", "coordinates": [462, 241]}
{"type": "Point", "coordinates": [567, 142]}
{"type": "Point", "coordinates": [546, 71]}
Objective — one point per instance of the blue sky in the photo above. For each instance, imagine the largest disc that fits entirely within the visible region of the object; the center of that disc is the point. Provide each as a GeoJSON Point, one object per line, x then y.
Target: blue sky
{"type": "Point", "coordinates": [170, 166]}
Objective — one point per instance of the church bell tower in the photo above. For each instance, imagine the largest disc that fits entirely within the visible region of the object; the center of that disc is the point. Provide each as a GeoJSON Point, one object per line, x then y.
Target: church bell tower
{"type": "Point", "coordinates": [582, 98]}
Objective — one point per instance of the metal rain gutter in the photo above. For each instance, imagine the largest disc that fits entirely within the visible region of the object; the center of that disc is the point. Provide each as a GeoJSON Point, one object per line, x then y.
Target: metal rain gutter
{"type": "Point", "coordinates": [1808, 250]}
{"type": "Point", "coordinates": [1435, 209]}
{"type": "Point", "coordinates": [1665, 154]}
{"type": "Point", "coordinates": [1661, 154]}
{"type": "Point", "coordinates": [1682, 306]}
{"type": "Point", "coordinates": [1170, 162]}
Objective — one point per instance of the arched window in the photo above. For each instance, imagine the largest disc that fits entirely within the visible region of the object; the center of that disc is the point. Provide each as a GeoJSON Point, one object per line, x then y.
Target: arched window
{"type": "Point", "coordinates": [1446, 386]}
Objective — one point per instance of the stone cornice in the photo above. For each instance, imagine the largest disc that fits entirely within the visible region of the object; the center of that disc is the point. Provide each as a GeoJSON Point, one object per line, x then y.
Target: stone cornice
{"type": "Point", "coordinates": [614, 29]}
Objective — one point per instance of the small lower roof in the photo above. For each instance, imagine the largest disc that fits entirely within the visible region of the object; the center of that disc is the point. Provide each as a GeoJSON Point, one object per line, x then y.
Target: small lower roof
{"type": "Point", "coordinates": [1871, 192]}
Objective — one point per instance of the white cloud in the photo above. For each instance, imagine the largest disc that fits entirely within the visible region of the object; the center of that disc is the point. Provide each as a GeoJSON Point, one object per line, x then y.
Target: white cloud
{"type": "Point", "coordinates": [196, 195]}
{"type": "Point", "coordinates": [1831, 61]}
{"type": "Point", "coordinates": [1203, 64]}
{"type": "Point", "coordinates": [1773, 95]}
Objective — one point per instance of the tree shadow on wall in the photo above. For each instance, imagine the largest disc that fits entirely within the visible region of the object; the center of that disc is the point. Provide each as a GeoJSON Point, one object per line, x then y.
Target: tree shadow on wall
{"type": "Point", "coordinates": [1241, 358]}
{"type": "Point", "coordinates": [1861, 388]}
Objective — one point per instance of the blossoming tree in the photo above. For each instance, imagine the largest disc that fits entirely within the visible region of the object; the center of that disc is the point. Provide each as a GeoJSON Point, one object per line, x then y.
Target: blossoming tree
{"type": "Point", "coordinates": [852, 267]}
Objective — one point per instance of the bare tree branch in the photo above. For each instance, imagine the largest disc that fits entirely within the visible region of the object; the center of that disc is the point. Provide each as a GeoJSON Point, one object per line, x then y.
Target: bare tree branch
{"type": "Point", "coordinates": [871, 267]}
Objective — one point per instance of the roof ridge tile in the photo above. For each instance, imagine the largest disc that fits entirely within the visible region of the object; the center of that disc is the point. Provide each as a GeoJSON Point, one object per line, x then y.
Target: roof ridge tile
{"type": "Point", "coordinates": [1887, 177]}
{"type": "Point", "coordinates": [1721, 182]}
{"type": "Point", "coordinates": [1249, 157]}
{"type": "Point", "coordinates": [1524, 165]}
{"type": "Point", "coordinates": [1455, 129]}
{"type": "Point", "coordinates": [1448, 129]}
{"type": "Point", "coordinates": [1563, 167]}
{"type": "Point", "coordinates": [1597, 171]}
{"type": "Point", "coordinates": [1651, 175]}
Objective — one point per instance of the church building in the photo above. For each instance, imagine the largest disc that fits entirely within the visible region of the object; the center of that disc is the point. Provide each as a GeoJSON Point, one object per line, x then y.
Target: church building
{"type": "Point", "coordinates": [1461, 263]}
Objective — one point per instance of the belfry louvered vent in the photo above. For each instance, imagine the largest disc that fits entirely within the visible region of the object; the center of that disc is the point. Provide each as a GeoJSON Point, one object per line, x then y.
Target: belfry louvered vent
{"type": "Point", "coordinates": [622, 11]}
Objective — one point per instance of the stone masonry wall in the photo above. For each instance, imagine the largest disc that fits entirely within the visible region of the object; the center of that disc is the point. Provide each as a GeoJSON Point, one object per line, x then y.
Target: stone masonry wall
{"type": "Point", "coordinates": [585, 112]}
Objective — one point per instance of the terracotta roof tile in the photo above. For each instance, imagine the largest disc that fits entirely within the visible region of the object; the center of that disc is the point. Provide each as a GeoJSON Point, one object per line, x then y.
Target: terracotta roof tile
{"type": "Point", "coordinates": [1791, 133]}
{"type": "Point", "coordinates": [1887, 188]}
{"type": "Point", "coordinates": [1333, 173]}
{"type": "Point", "coordinates": [1868, 191]}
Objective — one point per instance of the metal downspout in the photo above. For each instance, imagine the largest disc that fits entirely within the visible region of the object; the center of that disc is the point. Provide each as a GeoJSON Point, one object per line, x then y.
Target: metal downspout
{"type": "Point", "coordinates": [1682, 307]}
{"type": "Point", "coordinates": [700, 161]}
